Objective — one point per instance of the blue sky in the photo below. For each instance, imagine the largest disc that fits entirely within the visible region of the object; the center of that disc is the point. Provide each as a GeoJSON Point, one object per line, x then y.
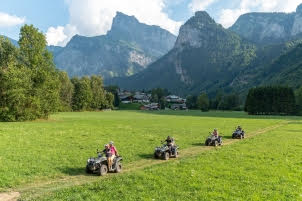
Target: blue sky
{"type": "Point", "coordinates": [41, 13]}
{"type": "Point", "coordinates": [61, 19]}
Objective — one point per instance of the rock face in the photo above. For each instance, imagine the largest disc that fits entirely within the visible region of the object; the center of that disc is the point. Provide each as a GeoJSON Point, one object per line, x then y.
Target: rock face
{"type": "Point", "coordinates": [126, 49]}
{"type": "Point", "coordinates": [269, 28]}
{"type": "Point", "coordinates": [205, 56]}
{"type": "Point", "coordinates": [193, 33]}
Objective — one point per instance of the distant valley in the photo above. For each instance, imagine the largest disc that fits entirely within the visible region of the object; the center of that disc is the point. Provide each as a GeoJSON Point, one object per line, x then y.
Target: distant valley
{"type": "Point", "coordinates": [259, 49]}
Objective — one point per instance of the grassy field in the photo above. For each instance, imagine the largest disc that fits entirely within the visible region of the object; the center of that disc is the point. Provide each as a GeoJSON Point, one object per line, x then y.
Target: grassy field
{"type": "Point", "coordinates": [267, 167]}
{"type": "Point", "coordinates": [264, 167]}
{"type": "Point", "coordinates": [130, 106]}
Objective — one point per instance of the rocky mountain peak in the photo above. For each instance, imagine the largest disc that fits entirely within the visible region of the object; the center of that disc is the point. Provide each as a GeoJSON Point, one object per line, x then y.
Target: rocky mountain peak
{"type": "Point", "coordinates": [197, 30]}
{"type": "Point", "coordinates": [299, 9]}
{"type": "Point", "coordinates": [126, 49]}
{"type": "Point", "coordinates": [203, 16]}
{"type": "Point", "coordinates": [122, 21]}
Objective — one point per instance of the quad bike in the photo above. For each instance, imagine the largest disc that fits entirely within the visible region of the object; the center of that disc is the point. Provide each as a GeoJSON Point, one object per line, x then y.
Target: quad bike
{"type": "Point", "coordinates": [213, 141]}
{"type": "Point", "coordinates": [99, 165]}
{"type": "Point", "coordinates": [165, 152]}
{"type": "Point", "coordinates": [238, 134]}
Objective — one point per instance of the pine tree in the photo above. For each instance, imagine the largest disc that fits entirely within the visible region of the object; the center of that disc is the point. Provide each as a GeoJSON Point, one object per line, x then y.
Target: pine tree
{"type": "Point", "coordinates": [203, 102]}
{"type": "Point", "coordinates": [66, 92]}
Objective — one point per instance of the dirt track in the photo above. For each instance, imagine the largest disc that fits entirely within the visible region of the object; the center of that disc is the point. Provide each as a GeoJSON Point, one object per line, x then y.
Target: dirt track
{"type": "Point", "coordinates": [37, 189]}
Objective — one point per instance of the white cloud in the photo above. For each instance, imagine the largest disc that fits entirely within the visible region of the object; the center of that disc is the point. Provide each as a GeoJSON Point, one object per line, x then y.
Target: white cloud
{"type": "Point", "coordinates": [94, 17]}
{"type": "Point", "coordinates": [55, 35]}
{"type": "Point", "coordinates": [197, 5]}
{"type": "Point", "coordinates": [60, 35]}
{"type": "Point", "coordinates": [229, 16]}
{"type": "Point", "coordinates": [7, 20]}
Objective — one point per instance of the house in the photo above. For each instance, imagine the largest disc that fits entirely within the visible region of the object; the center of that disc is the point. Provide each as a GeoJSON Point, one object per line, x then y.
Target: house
{"type": "Point", "coordinates": [182, 106]}
{"type": "Point", "coordinates": [175, 99]}
{"type": "Point", "coordinates": [176, 102]}
{"type": "Point", "coordinates": [126, 97]}
{"type": "Point", "coordinates": [151, 106]}
{"type": "Point", "coordinates": [141, 98]}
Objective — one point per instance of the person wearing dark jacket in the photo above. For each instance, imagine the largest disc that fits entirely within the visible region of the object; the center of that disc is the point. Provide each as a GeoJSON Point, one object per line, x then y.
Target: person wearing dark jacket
{"type": "Point", "coordinates": [170, 143]}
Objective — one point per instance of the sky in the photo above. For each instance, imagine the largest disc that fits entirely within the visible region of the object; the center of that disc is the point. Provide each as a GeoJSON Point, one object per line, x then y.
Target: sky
{"type": "Point", "coordinates": [60, 20]}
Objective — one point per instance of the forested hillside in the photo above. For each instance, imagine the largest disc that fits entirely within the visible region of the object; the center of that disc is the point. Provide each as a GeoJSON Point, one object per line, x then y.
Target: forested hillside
{"type": "Point", "coordinates": [207, 57]}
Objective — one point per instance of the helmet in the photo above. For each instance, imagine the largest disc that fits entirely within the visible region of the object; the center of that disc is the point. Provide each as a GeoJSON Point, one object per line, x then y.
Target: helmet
{"type": "Point", "coordinates": [106, 145]}
{"type": "Point", "coordinates": [215, 129]}
{"type": "Point", "coordinates": [111, 142]}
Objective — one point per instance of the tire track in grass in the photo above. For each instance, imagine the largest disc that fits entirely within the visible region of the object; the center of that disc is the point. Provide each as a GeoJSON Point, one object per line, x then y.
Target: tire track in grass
{"type": "Point", "coordinates": [12, 196]}
{"type": "Point", "coordinates": [37, 189]}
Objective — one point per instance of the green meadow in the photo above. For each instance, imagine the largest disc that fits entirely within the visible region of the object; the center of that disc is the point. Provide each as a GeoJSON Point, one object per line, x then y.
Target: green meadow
{"type": "Point", "coordinates": [45, 159]}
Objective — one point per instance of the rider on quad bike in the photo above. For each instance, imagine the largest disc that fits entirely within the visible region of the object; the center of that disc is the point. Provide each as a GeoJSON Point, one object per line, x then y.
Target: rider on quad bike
{"type": "Point", "coordinates": [114, 153]}
{"type": "Point", "coordinates": [168, 150]}
{"type": "Point", "coordinates": [239, 128]}
{"type": "Point", "coordinates": [170, 142]}
{"type": "Point", "coordinates": [108, 153]}
{"type": "Point", "coordinates": [216, 134]}
{"type": "Point", "coordinates": [239, 133]}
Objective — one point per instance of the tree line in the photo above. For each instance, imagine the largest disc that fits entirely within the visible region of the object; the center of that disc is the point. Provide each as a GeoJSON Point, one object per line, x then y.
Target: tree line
{"type": "Point", "coordinates": [220, 102]}
{"type": "Point", "coordinates": [265, 100]}
{"type": "Point", "coordinates": [31, 86]}
{"type": "Point", "coordinates": [271, 100]}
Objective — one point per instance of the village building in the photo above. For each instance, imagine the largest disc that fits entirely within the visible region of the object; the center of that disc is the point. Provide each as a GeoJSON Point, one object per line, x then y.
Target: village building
{"type": "Point", "coordinates": [176, 103]}
{"type": "Point", "coordinates": [141, 98]}
{"type": "Point", "coordinates": [126, 97]}
{"type": "Point", "coordinates": [151, 106]}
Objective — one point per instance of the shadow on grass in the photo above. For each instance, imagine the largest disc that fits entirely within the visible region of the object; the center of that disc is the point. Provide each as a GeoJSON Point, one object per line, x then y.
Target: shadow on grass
{"type": "Point", "coordinates": [294, 131]}
{"type": "Point", "coordinates": [146, 156]}
{"type": "Point", "coordinates": [227, 137]}
{"type": "Point", "coordinates": [198, 144]}
{"type": "Point", "coordinates": [295, 122]}
{"type": "Point", "coordinates": [73, 171]}
{"type": "Point", "coordinates": [217, 114]}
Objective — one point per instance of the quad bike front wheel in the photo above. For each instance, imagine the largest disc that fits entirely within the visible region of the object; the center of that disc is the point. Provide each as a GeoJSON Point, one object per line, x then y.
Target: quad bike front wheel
{"type": "Point", "coordinates": [176, 154]}
{"type": "Point", "coordinates": [88, 171]}
{"type": "Point", "coordinates": [103, 170]}
{"type": "Point", "coordinates": [166, 156]}
{"type": "Point", "coordinates": [118, 168]}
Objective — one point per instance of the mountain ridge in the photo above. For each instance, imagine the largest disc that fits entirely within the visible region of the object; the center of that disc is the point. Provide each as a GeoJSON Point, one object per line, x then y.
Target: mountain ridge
{"type": "Point", "coordinates": [121, 52]}
{"type": "Point", "coordinates": [207, 57]}
{"type": "Point", "coordinates": [269, 28]}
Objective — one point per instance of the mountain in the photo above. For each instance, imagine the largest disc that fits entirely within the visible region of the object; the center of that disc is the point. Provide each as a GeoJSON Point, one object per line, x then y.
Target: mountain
{"type": "Point", "coordinates": [129, 47]}
{"type": "Point", "coordinates": [54, 49]}
{"type": "Point", "coordinates": [287, 69]}
{"type": "Point", "coordinates": [14, 42]}
{"type": "Point", "coordinates": [269, 28]}
{"type": "Point", "coordinates": [205, 57]}
{"type": "Point", "coordinates": [269, 67]}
